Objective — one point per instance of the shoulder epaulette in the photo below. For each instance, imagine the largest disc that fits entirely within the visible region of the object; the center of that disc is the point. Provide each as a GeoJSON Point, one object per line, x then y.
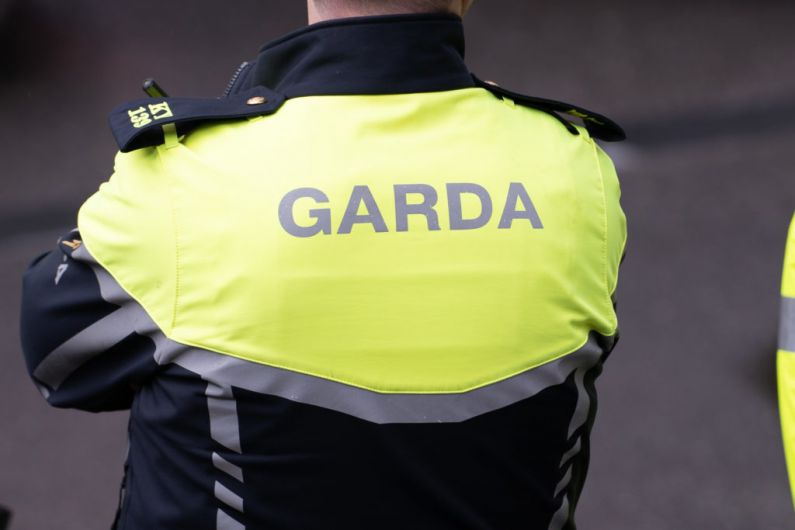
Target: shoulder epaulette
{"type": "Point", "coordinates": [140, 123]}
{"type": "Point", "coordinates": [597, 125]}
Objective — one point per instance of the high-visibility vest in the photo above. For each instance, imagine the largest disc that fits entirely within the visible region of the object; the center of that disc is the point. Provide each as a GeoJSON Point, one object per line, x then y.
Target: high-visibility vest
{"type": "Point", "coordinates": [785, 361]}
{"type": "Point", "coordinates": [492, 249]}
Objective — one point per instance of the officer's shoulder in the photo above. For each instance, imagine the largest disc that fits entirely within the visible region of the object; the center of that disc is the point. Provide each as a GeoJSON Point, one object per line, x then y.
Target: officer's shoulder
{"type": "Point", "coordinates": [598, 126]}
{"type": "Point", "coordinates": [147, 122]}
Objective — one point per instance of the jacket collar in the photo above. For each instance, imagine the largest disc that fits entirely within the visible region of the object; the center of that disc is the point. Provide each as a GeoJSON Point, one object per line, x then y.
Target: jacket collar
{"type": "Point", "coordinates": [367, 55]}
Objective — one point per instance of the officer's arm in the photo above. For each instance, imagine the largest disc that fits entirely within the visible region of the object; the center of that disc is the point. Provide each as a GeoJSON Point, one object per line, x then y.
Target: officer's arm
{"type": "Point", "coordinates": [81, 349]}
{"type": "Point", "coordinates": [86, 344]}
{"type": "Point", "coordinates": [786, 355]}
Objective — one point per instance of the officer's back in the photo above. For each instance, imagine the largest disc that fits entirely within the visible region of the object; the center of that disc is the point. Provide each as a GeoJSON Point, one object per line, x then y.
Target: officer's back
{"type": "Point", "coordinates": [376, 294]}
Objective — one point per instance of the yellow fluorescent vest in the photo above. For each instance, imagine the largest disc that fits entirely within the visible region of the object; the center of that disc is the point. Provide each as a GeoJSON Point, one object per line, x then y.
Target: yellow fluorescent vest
{"type": "Point", "coordinates": [429, 243]}
{"type": "Point", "coordinates": [786, 354]}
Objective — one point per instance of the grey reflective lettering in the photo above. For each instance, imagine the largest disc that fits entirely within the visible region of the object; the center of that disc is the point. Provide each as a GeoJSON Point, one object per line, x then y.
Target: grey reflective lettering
{"type": "Point", "coordinates": [457, 221]}
{"type": "Point", "coordinates": [403, 209]}
{"type": "Point", "coordinates": [323, 215]}
{"type": "Point", "coordinates": [517, 193]}
{"type": "Point", "coordinates": [362, 195]}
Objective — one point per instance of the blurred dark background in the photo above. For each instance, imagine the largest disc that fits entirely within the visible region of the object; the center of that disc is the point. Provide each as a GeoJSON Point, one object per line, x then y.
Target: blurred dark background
{"type": "Point", "coordinates": [687, 435]}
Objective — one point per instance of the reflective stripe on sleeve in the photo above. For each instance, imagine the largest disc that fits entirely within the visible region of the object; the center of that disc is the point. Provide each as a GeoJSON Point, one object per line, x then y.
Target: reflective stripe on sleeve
{"type": "Point", "coordinates": [786, 333]}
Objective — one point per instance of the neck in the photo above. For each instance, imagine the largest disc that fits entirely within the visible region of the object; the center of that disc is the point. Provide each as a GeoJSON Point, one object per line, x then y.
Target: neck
{"type": "Point", "coordinates": [321, 13]}
{"type": "Point", "coordinates": [390, 54]}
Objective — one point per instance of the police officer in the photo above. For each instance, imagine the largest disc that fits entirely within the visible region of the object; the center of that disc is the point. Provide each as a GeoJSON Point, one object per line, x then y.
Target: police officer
{"type": "Point", "coordinates": [364, 289]}
{"type": "Point", "coordinates": [786, 354]}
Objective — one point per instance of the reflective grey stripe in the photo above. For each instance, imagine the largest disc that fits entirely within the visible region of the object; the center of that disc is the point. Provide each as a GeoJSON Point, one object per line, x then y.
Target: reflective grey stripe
{"type": "Point", "coordinates": [388, 408]}
{"type": "Point", "coordinates": [228, 497]}
{"type": "Point", "coordinates": [224, 426]}
{"type": "Point", "coordinates": [224, 522]}
{"type": "Point", "coordinates": [222, 464]}
{"type": "Point", "coordinates": [786, 330]}
{"type": "Point", "coordinates": [571, 453]}
{"type": "Point", "coordinates": [579, 418]}
{"type": "Point", "coordinates": [64, 360]}
{"type": "Point", "coordinates": [223, 372]}
{"type": "Point", "coordinates": [45, 392]}
{"type": "Point", "coordinates": [583, 408]}
{"type": "Point", "coordinates": [110, 290]}
{"type": "Point", "coordinates": [109, 331]}
{"type": "Point", "coordinates": [224, 429]}
{"type": "Point", "coordinates": [564, 482]}
{"type": "Point", "coordinates": [561, 516]}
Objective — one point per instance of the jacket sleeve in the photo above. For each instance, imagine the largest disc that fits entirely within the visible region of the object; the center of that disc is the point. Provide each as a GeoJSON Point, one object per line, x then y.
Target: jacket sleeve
{"type": "Point", "coordinates": [81, 346]}
{"type": "Point", "coordinates": [786, 356]}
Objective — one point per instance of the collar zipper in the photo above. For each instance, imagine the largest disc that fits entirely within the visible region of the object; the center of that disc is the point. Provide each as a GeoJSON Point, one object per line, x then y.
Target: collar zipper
{"type": "Point", "coordinates": [232, 82]}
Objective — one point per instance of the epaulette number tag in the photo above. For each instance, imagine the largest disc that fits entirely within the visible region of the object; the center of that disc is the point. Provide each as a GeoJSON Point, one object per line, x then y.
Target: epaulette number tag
{"type": "Point", "coordinates": [152, 122]}
{"type": "Point", "coordinates": [143, 116]}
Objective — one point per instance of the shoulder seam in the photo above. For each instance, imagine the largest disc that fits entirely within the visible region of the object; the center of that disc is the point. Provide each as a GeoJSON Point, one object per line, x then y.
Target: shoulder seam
{"type": "Point", "coordinates": [607, 294]}
{"type": "Point", "coordinates": [175, 235]}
